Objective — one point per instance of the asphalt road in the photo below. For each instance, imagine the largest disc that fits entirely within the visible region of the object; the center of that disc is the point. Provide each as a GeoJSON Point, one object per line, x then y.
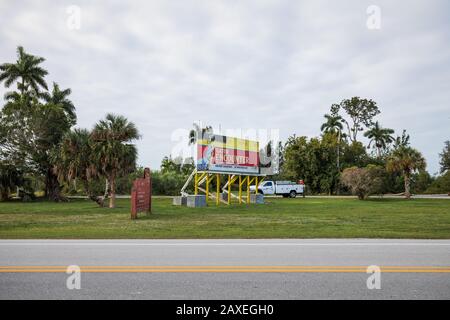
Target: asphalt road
{"type": "Point", "coordinates": [225, 269]}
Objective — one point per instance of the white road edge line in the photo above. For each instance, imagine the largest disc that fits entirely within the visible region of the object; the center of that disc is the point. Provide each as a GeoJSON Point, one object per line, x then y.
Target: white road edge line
{"type": "Point", "coordinates": [216, 244]}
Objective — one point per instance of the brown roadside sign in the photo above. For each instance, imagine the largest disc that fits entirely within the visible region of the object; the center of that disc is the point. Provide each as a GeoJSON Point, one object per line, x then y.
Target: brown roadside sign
{"type": "Point", "coordinates": [141, 195]}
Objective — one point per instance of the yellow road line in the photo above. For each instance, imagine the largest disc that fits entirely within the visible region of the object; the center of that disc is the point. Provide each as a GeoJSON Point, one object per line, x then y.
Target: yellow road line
{"type": "Point", "coordinates": [224, 269]}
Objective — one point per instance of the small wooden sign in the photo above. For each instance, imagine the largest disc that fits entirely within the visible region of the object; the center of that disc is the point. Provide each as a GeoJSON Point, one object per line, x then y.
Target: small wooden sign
{"type": "Point", "coordinates": [141, 195]}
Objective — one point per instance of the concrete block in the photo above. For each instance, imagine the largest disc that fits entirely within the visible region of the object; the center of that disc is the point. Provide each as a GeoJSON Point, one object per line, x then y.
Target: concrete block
{"type": "Point", "coordinates": [224, 196]}
{"type": "Point", "coordinates": [257, 198]}
{"type": "Point", "coordinates": [196, 201]}
{"type": "Point", "coordinates": [179, 201]}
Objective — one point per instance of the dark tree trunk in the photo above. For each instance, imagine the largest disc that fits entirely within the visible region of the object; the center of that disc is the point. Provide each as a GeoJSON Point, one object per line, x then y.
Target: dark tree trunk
{"type": "Point", "coordinates": [4, 194]}
{"type": "Point", "coordinates": [97, 199]}
{"type": "Point", "coordinates": [52, 187]}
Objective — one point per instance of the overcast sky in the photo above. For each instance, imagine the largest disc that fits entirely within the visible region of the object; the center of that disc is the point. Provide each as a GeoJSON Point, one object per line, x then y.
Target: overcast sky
{"type": "Point", "coordinates": [258, 64]}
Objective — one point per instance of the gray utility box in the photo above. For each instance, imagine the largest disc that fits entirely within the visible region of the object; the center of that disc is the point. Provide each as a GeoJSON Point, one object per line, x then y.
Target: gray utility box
{"type": "Point", "coordinates": [180, 201]}
{"type": "Point", "coordinates": [257, 198]}
{"type": "Point", "coordinates": [196, 201]}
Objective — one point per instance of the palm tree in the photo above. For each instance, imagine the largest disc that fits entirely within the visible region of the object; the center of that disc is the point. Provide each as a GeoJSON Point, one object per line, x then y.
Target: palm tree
{"type": "Point", "coordinates": [26, 71]}
{"type": "Point", "coordinates": [74, 161]}
{"type": "Point", "coordinates": [112, 150]}
{"type": "Point", "coordinates": [380, 137]}
{"type": "Point", "coordinates": [59, 97]}
{"type": "Point", "coordinates": [333, 124]}
{"type": "Point", "coordinates": [402, 141]}
{"type": "Point", "coordinates": [73, 155]}
{"type": "Point", "coordinates": [406, 160]}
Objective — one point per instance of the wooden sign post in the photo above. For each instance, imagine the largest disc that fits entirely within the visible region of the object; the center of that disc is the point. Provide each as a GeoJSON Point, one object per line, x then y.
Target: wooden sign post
{"type": "Point", "coordinates": [141, 195]}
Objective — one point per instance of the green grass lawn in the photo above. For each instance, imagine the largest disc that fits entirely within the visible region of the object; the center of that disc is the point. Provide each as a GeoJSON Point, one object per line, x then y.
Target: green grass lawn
{"type": "Point", "coordinates": [279, 218]}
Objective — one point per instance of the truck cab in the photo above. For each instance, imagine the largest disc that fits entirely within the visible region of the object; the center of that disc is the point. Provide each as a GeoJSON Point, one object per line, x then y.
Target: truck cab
{"type": "Point", "coordinates": [267, 187]}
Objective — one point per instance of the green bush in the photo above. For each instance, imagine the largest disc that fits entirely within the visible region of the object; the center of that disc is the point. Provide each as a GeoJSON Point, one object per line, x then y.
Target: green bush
{"type": "Point", "coordinates": [440, 185]}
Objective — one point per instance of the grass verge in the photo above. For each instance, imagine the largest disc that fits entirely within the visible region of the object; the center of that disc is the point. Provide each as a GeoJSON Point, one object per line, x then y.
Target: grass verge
{"type": "Point", "coordinates": [279, 218]}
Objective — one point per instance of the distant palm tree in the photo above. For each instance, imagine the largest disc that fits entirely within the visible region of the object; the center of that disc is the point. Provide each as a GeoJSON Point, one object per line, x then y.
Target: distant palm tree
{"type": "Point", "coordinates": [402, 141]}
{"type": "Point", "coordinates": [26, 71]}
{"type": "Point", "coordinates": [333, 124]}
{"type": "Point", "coordinates": [112, 150]}
{"type": "Point", "coordinates": [59, 97]}
{"type": "Point", "coordinates": [380, 137]}
{"type": "Point", "coordinates": [406, 160]}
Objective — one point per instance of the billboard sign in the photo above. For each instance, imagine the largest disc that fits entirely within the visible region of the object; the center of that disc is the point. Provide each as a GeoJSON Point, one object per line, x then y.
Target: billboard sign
{"type": "Point", "coordinates": [222, 154]}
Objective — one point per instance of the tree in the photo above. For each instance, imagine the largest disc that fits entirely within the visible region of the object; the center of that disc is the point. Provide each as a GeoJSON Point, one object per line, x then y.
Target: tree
{"type": "Point", "coordinates": [401, 141]}
{"type": "Point", "coordinates": [421, 181]}
{"type": "Point", "coordinates": [444, 161]}
{"type": "Point", "coordinates": [26, 71]}
{"type": "Point", "coordinates": [441, 184]}
{"type": "Point", "coordinates": [312, 160]}
{"type": "Point", "coordinates": [15, 128]}
{"type": "Point", "coordinates": [113, 151]}
{"type": "Point", "coordinates": [406, 160]}
{"type": "Point", "coordinates": [10, 178]}
{"type": "Point", "coordinates": [360, 111]}
{"type": "Point", "coordinates": [280, 154]}
{"type": "Point", "coordinates": [33, 132]}
{"type": "Point", "coordinates": [60, 97]}
{"type": "Point", "coordinates": [333, 124]}
{"type": "Point", "coordinates": [34, 129]}
{"type": "Point", "coordinates": [380, 137]}
{"type": "Point", "coordinates": [362, 181]}
{"type": "Point", "coordinates": [75, 161]}
{"type": "Point", "coordinates": [178, 165]}
{"type": "Point", "coordinates": [49, 125]}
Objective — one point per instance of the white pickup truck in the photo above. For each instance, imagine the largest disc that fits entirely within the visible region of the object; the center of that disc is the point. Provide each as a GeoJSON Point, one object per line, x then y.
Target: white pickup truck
{"type": "Point", "coordinates": [284, 188]}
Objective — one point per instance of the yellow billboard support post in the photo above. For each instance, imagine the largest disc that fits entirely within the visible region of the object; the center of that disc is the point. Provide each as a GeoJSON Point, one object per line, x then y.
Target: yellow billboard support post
{"type": "Point", "coordinates": [248, 189]}
{"type": "Point", "coordinates": [257, 183]}
{"type": "Point", "coordinates": [196, 183]}
{"type": "Point", "coordinates": [217, 189]}
{"type": "Point", "coordinates": [229, 189]}
{"type": "Point", "coordinates": [240, 189]}
{"type": "Point", "coordinates": [261, 180]}
{"type": "Point", "coordinates": [242, 180]}
{"type": "Point", "coordinates": [207, 188]}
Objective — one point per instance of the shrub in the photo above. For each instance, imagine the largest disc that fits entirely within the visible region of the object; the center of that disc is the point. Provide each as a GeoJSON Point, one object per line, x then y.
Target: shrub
{"type": "Point", "coordinates": [440, 185]}
{"type": "Point", "coordinates": [363, 181]}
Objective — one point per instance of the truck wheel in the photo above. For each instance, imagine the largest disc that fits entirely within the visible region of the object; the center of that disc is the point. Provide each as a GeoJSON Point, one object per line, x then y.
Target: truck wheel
{"type": "Point", "coordinates": [293, 194]}
{"type": "Point", "coordinates": [260, 192]}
